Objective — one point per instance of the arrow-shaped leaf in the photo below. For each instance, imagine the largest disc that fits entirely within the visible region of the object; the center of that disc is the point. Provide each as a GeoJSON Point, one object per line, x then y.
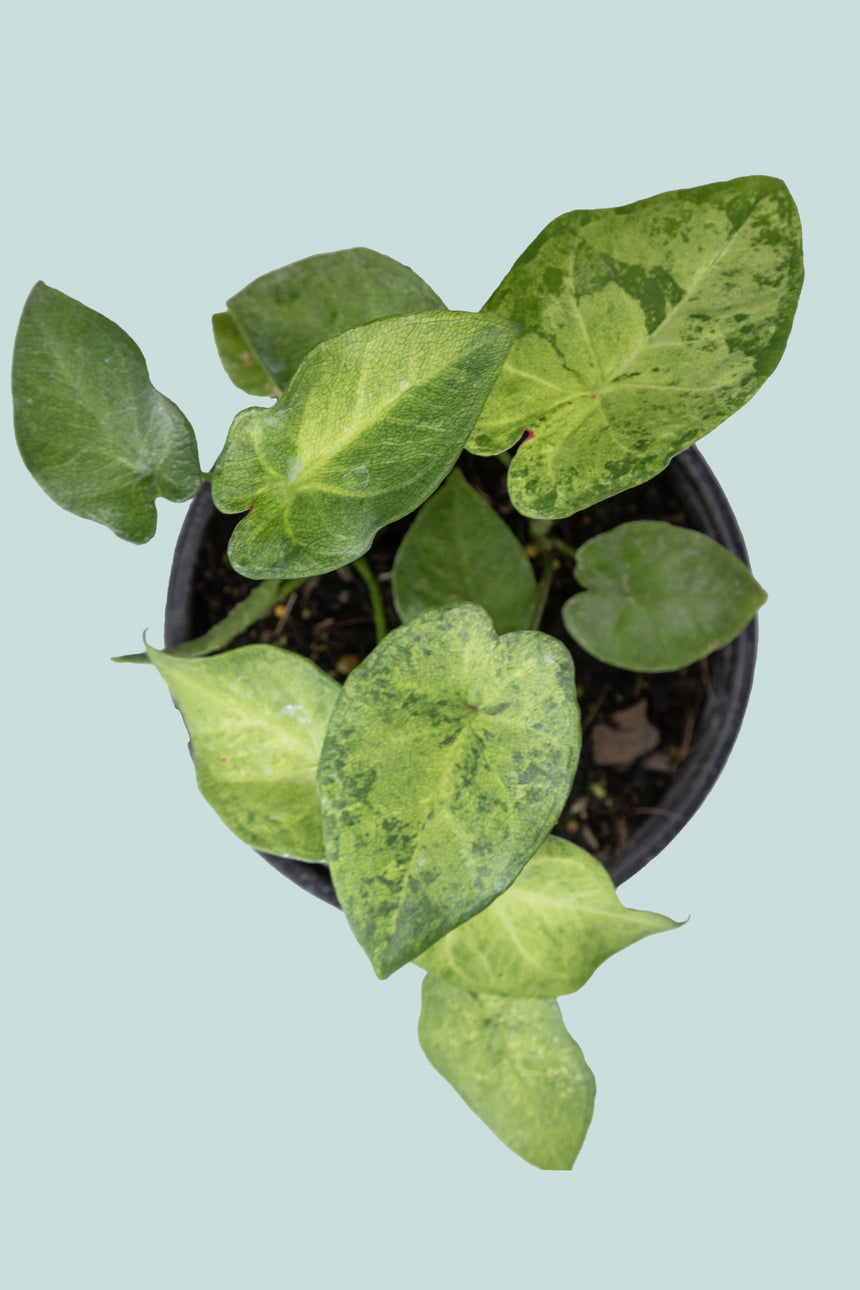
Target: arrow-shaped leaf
{"type": "Point", "coordinates": [448, 758]}
{"type": "Point", "coordinates": [644, 328]}
{"type": "Point", "coordinates": [544, 936]}
{"type": "Point", "coordinates": [92, 430]}
{"type": "Point", "coordinates": [371, 423]}
{"type": "Point", "coordinates": [257, 717]}
{"type": "Point", "coordinates": [514, 1064]}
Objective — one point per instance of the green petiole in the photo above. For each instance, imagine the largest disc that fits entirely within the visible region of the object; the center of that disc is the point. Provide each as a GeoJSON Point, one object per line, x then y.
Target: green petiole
{"type": "Point", "coordinates": [255, 606]}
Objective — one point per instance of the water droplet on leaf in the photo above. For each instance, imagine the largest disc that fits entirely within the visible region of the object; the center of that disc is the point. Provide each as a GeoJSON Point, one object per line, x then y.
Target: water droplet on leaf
{"type": "Point", "coordinates": [356, 480]}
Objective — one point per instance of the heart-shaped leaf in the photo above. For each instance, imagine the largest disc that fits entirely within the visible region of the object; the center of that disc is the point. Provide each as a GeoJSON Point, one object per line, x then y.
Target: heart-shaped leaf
{"type": "Point", "coordinates": [448, 758]}
{"type": "Point", "coordinates": [370, 424]}
{"type": "Point", "coordinates": [458, 549]}
{"type": "Point", "coordinates": [645, 327]}
{"type": "Point", "coordinates": [544, 936]}
{"type": "Point", "coordinates": [514, 1064]}
{"type": "Point", "coordinates": [658, 597]}
{"type": "Point", "coordinates": [283, 315]}
{"type": "Point", "coordinates": [256, 717]}
{"type": "Point", "coordinates": [92, 430]}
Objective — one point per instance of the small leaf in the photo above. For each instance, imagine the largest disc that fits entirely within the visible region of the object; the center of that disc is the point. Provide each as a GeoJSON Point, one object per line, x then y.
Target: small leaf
{"type": "Point", "coordinates": [284, 314]}
{"type": "Point", "coordinates": [458, 549]}
{"type": "Point", "coordinates": [241, 365]}
{"type": "Point", "coordinates": [449, 756]}
{"type": "Point", "coordinates": [658, 597]}
{"type": "Point", "coordinates": [94, 433]}
{"type": "Point", "coordinates": [514, 1064]}
{"type": "Point", "coordinates": [256, 717]}
{"type": "Point", "coordinates": [645, 327]}
{"type": "Point", "coordinates": [547, 933]}
{"type": "Point", "coordinates": [370, 424]}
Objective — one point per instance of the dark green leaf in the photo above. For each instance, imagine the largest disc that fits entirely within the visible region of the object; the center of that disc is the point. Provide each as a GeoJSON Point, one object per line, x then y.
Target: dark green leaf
{"type": "Point", "coordinates": [256, 717]}
{"type": "Point", "coordinates": [645, 327]}
{"type": "Point", "coordinates": [94, 433]}
{"type": "Point", "coordinates": [514, 1064]}
{"type": "Point", "coordinates": [237, 359]}
{"type": "Point", "coordinates": [458, 549]}
{"type": "Point", "coordinates": [658, 597]}
{"type": "Point", "coordinates": [370, 424]}
{"type": "Point", "coordinates": [449, 756]}
{"type": "Point", "coordinates": [284, 314]}
{"type": "Point", "coordinates": [544, 936]}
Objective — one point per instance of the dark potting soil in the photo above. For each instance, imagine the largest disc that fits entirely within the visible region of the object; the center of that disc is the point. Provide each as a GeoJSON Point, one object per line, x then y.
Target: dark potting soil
{"type": "Point", "coordinates": [637, 729]}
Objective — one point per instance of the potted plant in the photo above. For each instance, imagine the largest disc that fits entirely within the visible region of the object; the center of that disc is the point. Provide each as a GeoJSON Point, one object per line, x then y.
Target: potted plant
{"type": "Point", "coordinates": [427, 769]}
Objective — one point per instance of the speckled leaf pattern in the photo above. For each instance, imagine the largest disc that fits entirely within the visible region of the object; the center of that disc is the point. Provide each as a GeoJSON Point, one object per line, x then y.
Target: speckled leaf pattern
{"type": "Point", "coordinates": [657, 597]}
{"type": "Point", "coordinates": [459, 549]}
{"type": "Point", "coordinates": [448, 758]}
{"type": "Point", "coordinates": [371, 423]}
{"type": "Point", "coordinates": [514, 1064]}
{"type": "Point", "coordinates": [644, 328]}
{"type": "Point", "coordinates": [284, 314]}
{"type": "Point", "coordinates": [256, 717]}
{"type": "Point", "coordinates": [238, 359]}
{"type": "Point", "coordinates": [92, 430]}
{"type": "Point", "coordinates": [544, 936]}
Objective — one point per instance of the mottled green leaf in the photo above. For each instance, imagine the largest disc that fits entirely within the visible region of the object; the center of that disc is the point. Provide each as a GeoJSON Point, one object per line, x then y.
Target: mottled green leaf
{"type": "Point", "coordinates": [544, 936]}
{"type": "Point", "coordinates": [370, 424]}
{"type": "Point", "coordinates": [284, 314]}
{"type": "Point", "coordinates": [658, 597]}
{"type": "Point", "coordinates": [94, 433]}
{"type": "Point", "coordinates": [448, 758]}
{"type": "Point", "coordinates": [238, 360]}
{"type": "Point", "coordinates": [644, 328]}
{"type": "Point", "coordinates": [458, 549]}
{"type": "Point", "coordinates": [514, 1064]}
{"type": "Point", "coordinates": [256, 717]}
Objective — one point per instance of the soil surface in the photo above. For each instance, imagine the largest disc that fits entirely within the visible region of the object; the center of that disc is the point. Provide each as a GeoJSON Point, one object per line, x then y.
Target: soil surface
{"type": "Point", "coordinates": [637, 729]}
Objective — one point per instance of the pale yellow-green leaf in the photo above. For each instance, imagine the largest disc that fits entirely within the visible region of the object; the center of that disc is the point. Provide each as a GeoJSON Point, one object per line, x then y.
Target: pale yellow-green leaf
{"type": "Point", "coordinates": [257, 717]}
{"type": "Point", "coordinates": [514, 1064]}
{"type": "Point", "coordinates": [644, 327]}
{"type": "Point", "coordinates": [546, 934]}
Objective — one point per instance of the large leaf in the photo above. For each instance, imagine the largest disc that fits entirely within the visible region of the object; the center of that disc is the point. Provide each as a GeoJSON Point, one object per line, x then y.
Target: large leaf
{"type": "Point", "coordinates": [94, 433]}
{"type": "Point", "coordinates": [284, 314]}
{"type": "Point", "coordinates": [514, 1064]}
{"type": "Point", "coordinates": [658, 597]}
{"type": "Point", "coordinates": [370, 424]}
{"type": "Point", "coordinates": [645, 327]}
{"type": "Point", "coordinates": [547, 933]}
{"type": "Point", "coordinates": [457, 549]}
{"type": "Point", "coordinates": [256, 717]}
{"type": "Point", "coordinates": [448, 758]}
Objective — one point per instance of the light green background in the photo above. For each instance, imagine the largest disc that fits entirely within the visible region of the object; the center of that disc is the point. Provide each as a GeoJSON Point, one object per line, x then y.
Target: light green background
{"type": "Point", "coordinates": [203, 1082]}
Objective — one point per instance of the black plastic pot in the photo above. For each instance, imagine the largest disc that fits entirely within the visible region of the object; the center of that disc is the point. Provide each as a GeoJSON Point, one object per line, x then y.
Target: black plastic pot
{"type": "Point", "coordinates": [730, 674]}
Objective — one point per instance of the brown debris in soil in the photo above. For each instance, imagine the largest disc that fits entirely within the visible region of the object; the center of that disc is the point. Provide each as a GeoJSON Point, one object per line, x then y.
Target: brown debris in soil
{"type": "Point", "coordinates": [627, 735]}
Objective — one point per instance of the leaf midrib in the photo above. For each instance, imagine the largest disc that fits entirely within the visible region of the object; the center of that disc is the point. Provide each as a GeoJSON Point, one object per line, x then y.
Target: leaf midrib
{"type": "Point", "coordinates": [689, 291]}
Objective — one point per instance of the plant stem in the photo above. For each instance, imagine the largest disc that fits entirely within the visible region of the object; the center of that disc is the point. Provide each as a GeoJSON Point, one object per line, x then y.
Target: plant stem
{"type": "Point", "coordinates": [242, 616]}
{"type": "Point", "coordinates": [564, 547]}
{"type": "Point", "coordinates": [543, 589]}
{"type": "Point", "coordinates": [375, 597]}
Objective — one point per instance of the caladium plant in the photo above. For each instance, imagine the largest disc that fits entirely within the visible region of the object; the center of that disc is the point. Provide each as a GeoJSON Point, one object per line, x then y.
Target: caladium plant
{"type": "Point", "coordinates": [431, 779]}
